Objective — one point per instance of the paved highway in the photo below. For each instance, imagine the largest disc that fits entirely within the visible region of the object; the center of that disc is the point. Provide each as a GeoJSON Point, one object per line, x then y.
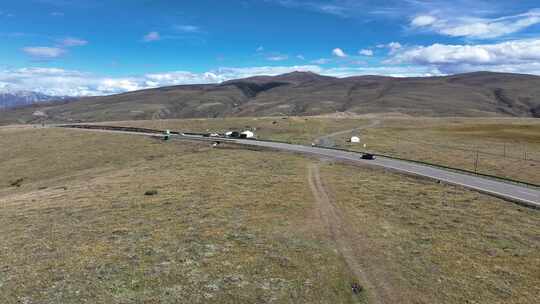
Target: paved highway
{"type": "Point", "coordinates": [521, 194]}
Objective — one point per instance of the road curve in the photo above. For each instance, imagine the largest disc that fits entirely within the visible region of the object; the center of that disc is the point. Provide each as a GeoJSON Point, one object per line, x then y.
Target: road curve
{"type": "Point", "coordinates": [521, 194]}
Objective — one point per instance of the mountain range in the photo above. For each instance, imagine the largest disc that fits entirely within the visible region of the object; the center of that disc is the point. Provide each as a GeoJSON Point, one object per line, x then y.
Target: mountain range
{"type": "Point", "coordinates": [16, 98]}
{"type": "Point", "coordinates": [304, 93]}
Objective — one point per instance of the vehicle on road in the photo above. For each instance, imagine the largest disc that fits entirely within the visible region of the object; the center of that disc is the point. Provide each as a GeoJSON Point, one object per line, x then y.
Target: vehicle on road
{"type": "Point", "coordinates": [368, 156]}
{"type": "Point", "coordinates": [167, 135]}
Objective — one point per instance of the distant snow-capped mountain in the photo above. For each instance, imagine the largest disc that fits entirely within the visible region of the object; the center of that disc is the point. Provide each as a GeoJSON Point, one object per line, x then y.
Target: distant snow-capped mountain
{"type": "Point", "coordinates": [13, 98]}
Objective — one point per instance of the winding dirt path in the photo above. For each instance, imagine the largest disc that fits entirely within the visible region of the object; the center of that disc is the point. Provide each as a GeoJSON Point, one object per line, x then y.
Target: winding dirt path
{"type": "Point", "coordinates": [347, 242]}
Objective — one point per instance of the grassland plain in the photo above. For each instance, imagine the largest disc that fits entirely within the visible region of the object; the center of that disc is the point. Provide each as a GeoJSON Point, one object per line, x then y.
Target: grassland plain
{"type": "Point", "coordinates": [291, 129]}
{"type": "Point", "coordinates": [507, 147]}
{"type": "Point", "coordinates": [438, 244]}
{"type": "Point", "coordinates": [241, 226]}
{"type": "Point", "coordinates": [227, 225]}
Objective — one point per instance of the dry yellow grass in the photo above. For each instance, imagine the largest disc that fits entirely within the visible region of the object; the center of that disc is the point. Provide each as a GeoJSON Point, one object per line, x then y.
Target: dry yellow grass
{"type": "Point", "coordinates": [506, 147]}
{"type": "Point", "coordinates": [291, 129]}
{"type": "Point", "coordinates": [439, 244]}
{"type": "Point", "coordinates": [241, 226]}
{"type": "Point", "coordinates": [226, 226]}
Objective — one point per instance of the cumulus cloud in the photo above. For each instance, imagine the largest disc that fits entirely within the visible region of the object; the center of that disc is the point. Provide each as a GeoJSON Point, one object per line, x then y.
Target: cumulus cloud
{"type": "Point", "coordinates": [51, 81]}
{"type": "Point", "coordinates": [365, 52]}
{"type": "Point", "coordinates": [508, 56]}
{"type": "Point", "coordinates": [61, 82]}
{"type": "Point", "coordinates": [522, 56]}
{"type": "Point", "coordinates": [151, 36]}
{"type": "Point", "coordinates": [517, 51]}
{"type": "Point", "coordinates": [300, 57]}
{"type": "Point", "coordinates": [477, 28]}
{"type": "Point", "coordinates": [44, 52]}
{"type": "Point", "coordinates": [339, 53]}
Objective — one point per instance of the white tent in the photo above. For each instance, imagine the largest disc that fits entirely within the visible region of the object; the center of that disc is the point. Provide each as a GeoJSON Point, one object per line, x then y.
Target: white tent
{"type": "Point", "coordinates": [355, 139]}
{"type": "Point", "coordinates": [248, 134]}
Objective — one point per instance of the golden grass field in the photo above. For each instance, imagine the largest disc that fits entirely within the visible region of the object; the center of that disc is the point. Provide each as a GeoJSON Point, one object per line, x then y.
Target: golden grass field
{"type": "Point", "coordinates": [508, 147]}
{"type": "Point", "coordinates": [231, 225]}
{"type": "Point", "coordinates": [226, 226]}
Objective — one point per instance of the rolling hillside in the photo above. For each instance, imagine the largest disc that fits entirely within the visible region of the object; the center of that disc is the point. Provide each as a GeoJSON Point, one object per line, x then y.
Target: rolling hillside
{"type": "Point", "coordinates": [303, 93]}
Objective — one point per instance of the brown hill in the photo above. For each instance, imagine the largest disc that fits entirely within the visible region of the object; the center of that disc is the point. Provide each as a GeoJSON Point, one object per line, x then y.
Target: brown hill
{"type": "Point", "coordinates": [304, 93]}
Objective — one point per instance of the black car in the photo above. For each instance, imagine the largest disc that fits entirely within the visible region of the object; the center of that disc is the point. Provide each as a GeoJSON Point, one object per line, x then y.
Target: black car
{"type": "Point", "coordinates": [368, 156]}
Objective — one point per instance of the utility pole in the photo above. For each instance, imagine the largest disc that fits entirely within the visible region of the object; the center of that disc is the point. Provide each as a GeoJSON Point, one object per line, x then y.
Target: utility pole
{"type": "Point", "coordinates": [476, 161]}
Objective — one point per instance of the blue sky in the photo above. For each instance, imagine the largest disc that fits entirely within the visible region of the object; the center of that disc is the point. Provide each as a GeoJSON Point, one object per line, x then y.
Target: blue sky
{"type": "Point", "coordinates": [69, 47]}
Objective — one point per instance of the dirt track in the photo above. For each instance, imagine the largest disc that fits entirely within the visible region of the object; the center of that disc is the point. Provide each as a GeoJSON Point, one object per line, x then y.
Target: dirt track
{"type": "Point", "coordinates": [348, 243]}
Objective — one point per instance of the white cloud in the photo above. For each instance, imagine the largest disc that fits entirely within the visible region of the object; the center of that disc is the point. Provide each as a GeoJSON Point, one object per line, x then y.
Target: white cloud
{"type": "Point", "coordinates": [475, 27]}
{"type": "Point", "coordinates": [331, 9]}
{"type": "Point", "coordinates": [515, 56]}
{"type": "Point", "coordinates": [44, 52]}
{"type": "Point", "coordinates": [186, 28]}
{"type": "Point", "coordinates": [366, 52]}
{"type": "Point", "coordinates": [51, 81]}
{"type": "Point", "coordinates": [336, 9]}
{"type": "Point", "coordinates": [151, 36]}
{"type": "Point", "coordinates": [300, 57]}
{"type": "Point", "coordinates": [339, 53]}
{"type": "Point", "coordinates": [394, 45]}
{"type": "Point", "coordinates": [517, 51]}
{"type": "Point", "coordinates": [60, 82]}
{"type": "Point", "coordinates": [393, 71]}
{"type": "Point", "coordinates": [110, 85]}
{"type": "Point", "coordinates": [423, 20]}
{"type": "Point", "coordinates": [69, 42]}
{"type": "Point", "coordinates": [260, 49]}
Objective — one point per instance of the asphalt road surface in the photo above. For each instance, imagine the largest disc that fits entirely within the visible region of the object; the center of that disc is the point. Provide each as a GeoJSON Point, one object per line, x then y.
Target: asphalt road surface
{"type": "Point", "coordinates": [514, 192]}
